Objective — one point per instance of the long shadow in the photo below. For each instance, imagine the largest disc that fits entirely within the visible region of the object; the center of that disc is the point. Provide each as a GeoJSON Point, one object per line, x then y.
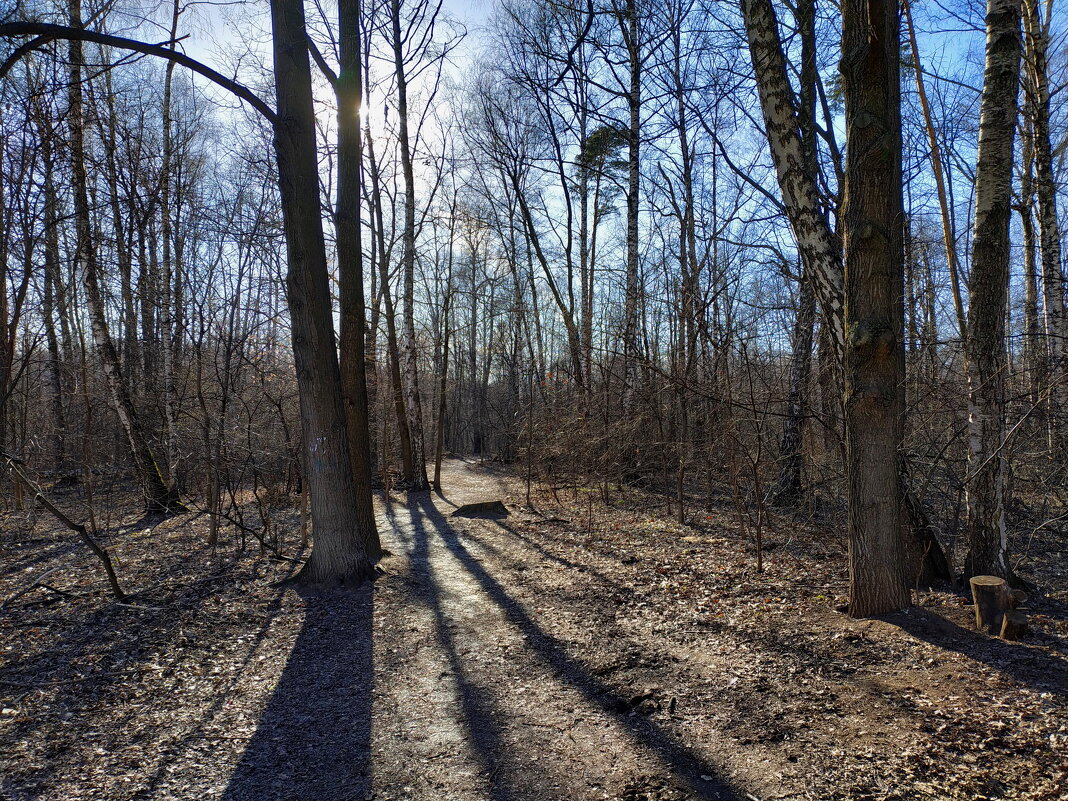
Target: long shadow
{"type": "Point", "coordinates": [481, 716]}
{"type": "Point", "coordinates": [686, 765]}
{"type": "Point", "coordinates": [1038, 669]}
{"type": "Point", "coordinates": [195, 733]}
{"type": "Point", "coordinates": [119, 656]}
{"type": "Point", "coordinates": [546, 554]}
{"type": "Point", "coordinates": [313, 741]}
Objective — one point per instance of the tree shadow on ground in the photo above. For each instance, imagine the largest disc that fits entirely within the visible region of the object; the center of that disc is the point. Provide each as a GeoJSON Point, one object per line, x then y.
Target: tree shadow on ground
{"type": "Point", "coordinates": [1040, 670]}
{"type": "Point", "coordinates": [313, 741]}
{"type": "Point", "coordinates": [686, 766]}
{"type": "Point", "coordinates": [547, 555]}
{"type": "Point", "coordinates": [482, 718]}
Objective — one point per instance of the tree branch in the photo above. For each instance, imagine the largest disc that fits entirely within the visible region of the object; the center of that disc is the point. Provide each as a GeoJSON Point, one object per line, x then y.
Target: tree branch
{"type": "Point", "coordinates": [46, 32]}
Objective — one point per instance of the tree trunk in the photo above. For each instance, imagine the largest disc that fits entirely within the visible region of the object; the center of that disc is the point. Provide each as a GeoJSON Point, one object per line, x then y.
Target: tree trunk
{"type": "Point", "coordinates": [988, 285]}
{"type": "Point", "coordinates": [1036, 362]}
{"type": "Point", "coordinates": [948, 236]}
{"type": "Point", "coordinates": [819, 247]}
{"type": "Point", "coordinates": [788, 489]}
{"type": "Point", "coordinates": [353, 363]}
{"type": "Point", "coordinates": [874, 315]}
{"type": "Point", "coordinates": [629, 25]}
{"type": "Point", "coordinates": [392, 347]}
{"type": "Point", "coordinates": [338, 554]}
{"type": "Point", "coordinates": [818, 244]}
{"type": "Point", "coordinates": [413, 399]}
{"type": "Point", "coordinates": [159, 497]}
{"type": "Point", "coordinates": [1036, 40]}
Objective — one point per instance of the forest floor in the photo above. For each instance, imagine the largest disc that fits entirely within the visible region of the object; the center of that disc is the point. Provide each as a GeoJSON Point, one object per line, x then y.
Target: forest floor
{"type": "Point", "coordinates": [570, 651]}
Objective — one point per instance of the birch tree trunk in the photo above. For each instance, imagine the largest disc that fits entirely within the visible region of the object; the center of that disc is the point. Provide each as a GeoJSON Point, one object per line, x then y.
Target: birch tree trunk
{"type": "Point", "coordinates": [159, 497]}
{"type": "Point", "coordinates": [818, 246]}
{"type": "Point", "coordinates": [788, 487]}
{"type": "Point", "coordinates": [988, 285]}
{"type": "Point", "coordinates": [1036, 42]}
{"type": "Point", "coordinates": [1036, 361]}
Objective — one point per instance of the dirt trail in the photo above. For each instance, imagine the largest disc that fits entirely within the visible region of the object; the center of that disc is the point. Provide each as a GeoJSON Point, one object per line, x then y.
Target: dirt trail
{"type": "Point", "coordinates": [534, 658]}
{"type": "Point", "coordinates": [475, 699]}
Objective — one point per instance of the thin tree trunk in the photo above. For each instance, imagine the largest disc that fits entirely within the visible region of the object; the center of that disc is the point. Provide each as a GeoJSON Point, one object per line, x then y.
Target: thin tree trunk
{"type": "Point", "coordinates": [1036, 362]}
{"type": "Point", "coordinates": [159, 497]}
{"type": "Point", "coordinates": [788, 487]}
{"type": "Point", "coordinates": [948, 237]}
{"type": "Point", "coordinates": [353, 363]}
{"type": "Point", "coordinates": [1036, 40]}
{"type": "Point", "coordinates": [413, 399]}
{"type": "Point", "coordinates": [392, 347]}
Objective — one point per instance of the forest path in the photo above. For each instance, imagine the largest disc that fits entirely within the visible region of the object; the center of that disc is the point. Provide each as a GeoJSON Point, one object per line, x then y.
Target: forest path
{"type": "Point", "coordinates": [477, 695]}
{"type": "Point", "coordinates": [574, 653]}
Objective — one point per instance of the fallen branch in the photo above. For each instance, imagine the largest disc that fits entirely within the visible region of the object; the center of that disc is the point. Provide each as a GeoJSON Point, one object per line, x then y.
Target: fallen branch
{"type": "Point", "coordinates": [32, 586]}
{"type": "Point", "coordinates": [14, 466]}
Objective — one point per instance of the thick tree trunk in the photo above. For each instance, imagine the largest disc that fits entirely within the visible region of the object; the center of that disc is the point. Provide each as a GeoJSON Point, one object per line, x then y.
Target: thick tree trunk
{"type": "Point", "coordinates": [353, 361]}
{"type": "Point", "coordinates": [338, 554]}
{"type": "Point", "coordinates": [874, 313]}
{"type": "Point", "coordinates": [987, 291]}
{"type": "Point", "coordinates": [819, 246]}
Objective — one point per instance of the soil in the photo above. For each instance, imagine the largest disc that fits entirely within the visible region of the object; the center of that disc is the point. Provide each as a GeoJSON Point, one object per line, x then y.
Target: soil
{"type": "Point", "coordinates": [570, 650]}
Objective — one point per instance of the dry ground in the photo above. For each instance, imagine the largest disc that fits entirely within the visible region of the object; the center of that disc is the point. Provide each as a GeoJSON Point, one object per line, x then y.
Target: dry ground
{"type": "Point", "coordinates": [570, 651]}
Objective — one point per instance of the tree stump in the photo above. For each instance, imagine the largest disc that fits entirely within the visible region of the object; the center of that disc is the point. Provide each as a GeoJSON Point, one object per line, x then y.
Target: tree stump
{"type": "Point", "coordinates": [1013, 625]}
{"type": "Point", "coordinates": [990, 595]}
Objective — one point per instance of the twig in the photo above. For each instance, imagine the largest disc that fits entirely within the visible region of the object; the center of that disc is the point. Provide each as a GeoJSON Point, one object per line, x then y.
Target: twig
{"type": "Point", "coordinates": [32, 586]}
{"type": "Point", "coordinates": [14, 465]}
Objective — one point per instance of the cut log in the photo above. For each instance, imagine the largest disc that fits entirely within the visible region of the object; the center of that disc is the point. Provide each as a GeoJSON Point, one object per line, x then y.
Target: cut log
{"type": "Point", "coordinates": [989, 593]}
{"type": "Point", "coordinates": [1013, 625]}
{"type": "Point", "coordinates": [481, 509]}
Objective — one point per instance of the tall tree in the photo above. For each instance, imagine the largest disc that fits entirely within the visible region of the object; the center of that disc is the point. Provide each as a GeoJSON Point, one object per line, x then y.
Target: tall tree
{"type": "Point", "coordinates": [160, 496]}
{"type": "Point", "coordinates": [988, 285]}
{"type": "Point", "coordinates": [873, 217]}
{"type": "Point", "coordinates": [339, 554]}
{"type": "Point", "coordinates": [817, 243]}
{"type": "Point", "coordinates": [1036, 47]}
{"type": "Point", "coordinates": [402, 31]}
{"type": "Point", "coordinates": [353, 363]}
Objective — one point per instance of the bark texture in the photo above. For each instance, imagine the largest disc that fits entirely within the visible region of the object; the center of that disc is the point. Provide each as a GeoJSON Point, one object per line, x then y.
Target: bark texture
{"type": "Point", "coordinates": [874, 311]}
{"type": "Point", "coordinates": [353, 363]}
{"type": "Point", "coordinates": [987, 292]}
{"type": "Point", "coordinates": [338, 554]}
